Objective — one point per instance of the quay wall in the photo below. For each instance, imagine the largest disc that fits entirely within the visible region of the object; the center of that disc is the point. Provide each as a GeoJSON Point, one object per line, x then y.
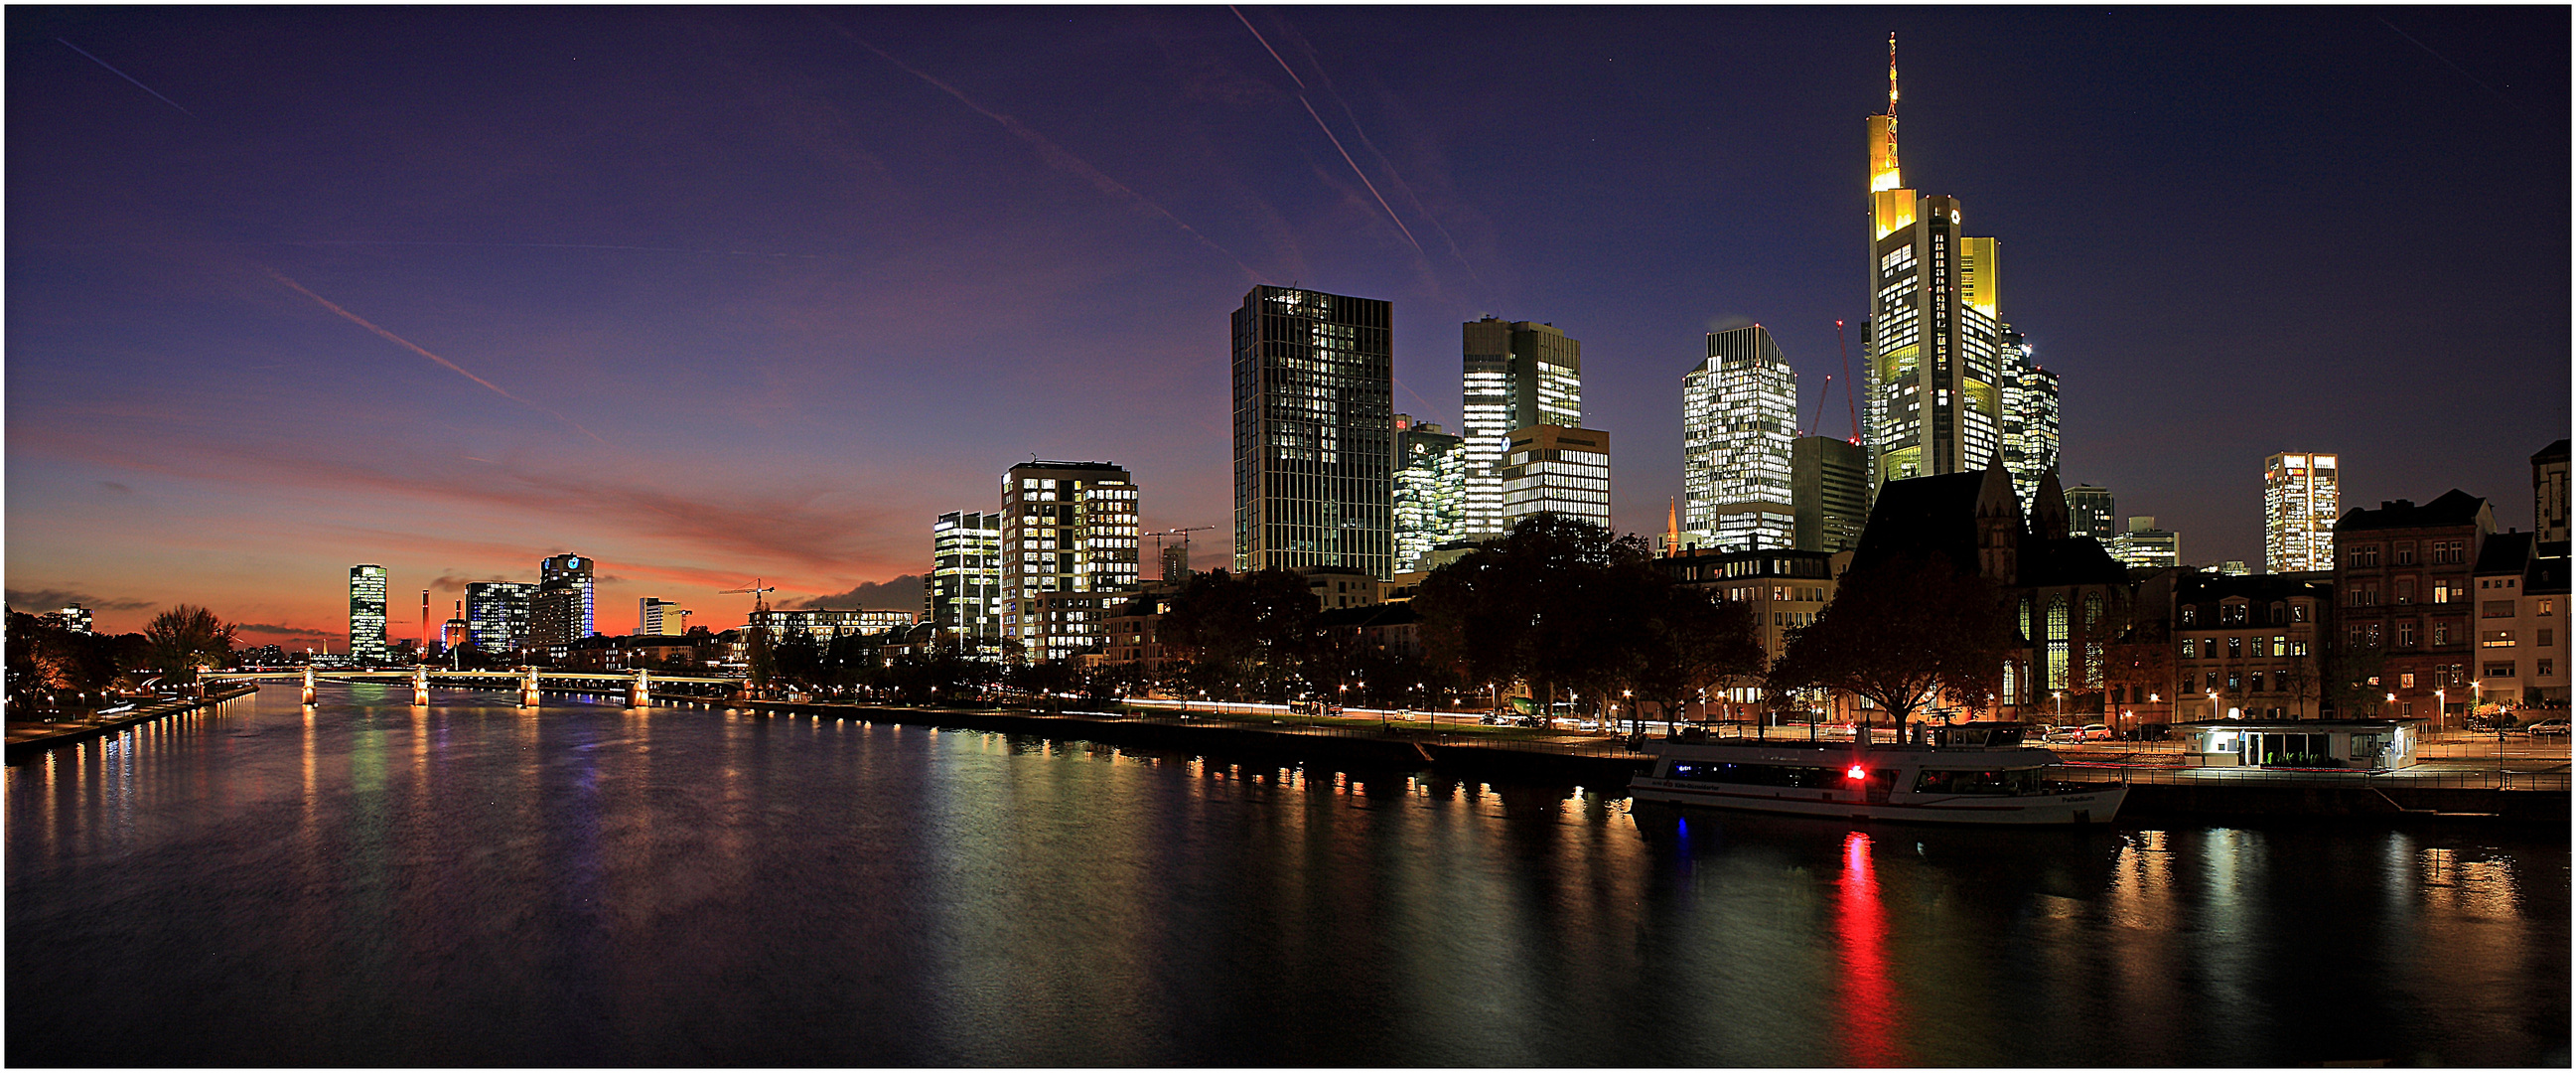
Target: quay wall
{"type": "Point", "coordinates": [2392, 801]}
{"type": "Point", "coordinates": [25, 749]}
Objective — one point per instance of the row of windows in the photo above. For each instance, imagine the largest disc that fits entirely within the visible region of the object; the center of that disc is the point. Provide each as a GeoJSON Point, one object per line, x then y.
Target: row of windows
{"type": "Point", "coordinates": [2281, 645]}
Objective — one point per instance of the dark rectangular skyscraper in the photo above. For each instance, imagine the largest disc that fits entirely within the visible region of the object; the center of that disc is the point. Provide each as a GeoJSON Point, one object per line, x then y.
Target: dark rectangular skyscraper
{"type": "Point", "coordinates": [1829, 491]}
{"type": "Point", "coordinates": [1314, 431]}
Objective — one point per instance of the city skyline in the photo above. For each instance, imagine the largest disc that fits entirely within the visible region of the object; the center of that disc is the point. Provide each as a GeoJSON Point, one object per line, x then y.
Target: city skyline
{"type": "Point", "coordinates": [721, 295]}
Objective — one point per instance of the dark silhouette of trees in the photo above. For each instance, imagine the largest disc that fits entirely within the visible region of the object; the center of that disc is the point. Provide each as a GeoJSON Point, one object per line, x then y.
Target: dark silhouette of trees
{"type": "Point", "coordinates": [1242, 632]}
{"type": "Point", "coordinates": [1897, 630]}
{"type": "Point", "coordinates": [185, 639]}
{"type": "Point", "coordinates": [1563, 604]}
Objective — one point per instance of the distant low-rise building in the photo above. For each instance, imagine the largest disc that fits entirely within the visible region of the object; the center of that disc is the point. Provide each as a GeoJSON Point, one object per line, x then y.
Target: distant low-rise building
{"type": "Point", "coordinates": [2145, 545]}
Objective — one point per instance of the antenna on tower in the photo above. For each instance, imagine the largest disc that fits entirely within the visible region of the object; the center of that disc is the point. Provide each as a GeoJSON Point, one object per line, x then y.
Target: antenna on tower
{"type": "Point", "coordinates": [1848, 401]}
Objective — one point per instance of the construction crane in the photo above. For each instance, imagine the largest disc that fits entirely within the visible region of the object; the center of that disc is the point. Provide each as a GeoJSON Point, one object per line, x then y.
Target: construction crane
{"type": "Point", "coordinates": [758, 604]}
{"type": "Point", "coordinates": [1182, 532]}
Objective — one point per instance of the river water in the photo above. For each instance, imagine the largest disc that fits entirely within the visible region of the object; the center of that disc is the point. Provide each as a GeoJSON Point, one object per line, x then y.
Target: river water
{"type": "Point", "coordinates": [367, 883]}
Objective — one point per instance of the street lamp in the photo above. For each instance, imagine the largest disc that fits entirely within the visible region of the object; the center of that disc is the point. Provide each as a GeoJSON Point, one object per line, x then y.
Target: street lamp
{"type": "Point", "coordinates": [2061, 705]}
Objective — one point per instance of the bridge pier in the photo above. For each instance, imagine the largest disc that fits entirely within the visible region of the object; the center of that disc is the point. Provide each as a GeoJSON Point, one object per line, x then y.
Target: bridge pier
{"type": "Point", "coordinates": [639, 693]}
{"type": "Point", "coordinates": [420, 685]}
{"type": "Point", "coordinates": [528, 689]}
{"type": "Point", "coordinates": [308, 685]}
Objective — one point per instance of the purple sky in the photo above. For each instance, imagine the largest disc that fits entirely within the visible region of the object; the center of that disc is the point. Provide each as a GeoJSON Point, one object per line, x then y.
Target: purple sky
{"type": "Point", "coordinates": [711, 295]}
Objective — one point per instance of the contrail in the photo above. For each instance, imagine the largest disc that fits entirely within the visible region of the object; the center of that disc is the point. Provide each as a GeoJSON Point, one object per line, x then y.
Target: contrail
{"type": "Point", "coordinates": [130, 78]}
{"type": "Point", "coordinates": [1392, 175]}
{"type": "Point", "coordinates": [416, 349]}
{"type": "Point", "coordinates": [2464, 72]}
{"type": "Point", "coordinates": [542, 246]}
{"type": "Point", "coordinates": [1055, 154]}
{"type": "Point", "coordinates": [1328, 134]}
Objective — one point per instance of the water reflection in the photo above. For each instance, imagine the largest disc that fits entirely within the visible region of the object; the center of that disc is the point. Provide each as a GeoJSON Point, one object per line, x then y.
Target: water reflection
{"type": "Point", "coordinates": [368, 882]}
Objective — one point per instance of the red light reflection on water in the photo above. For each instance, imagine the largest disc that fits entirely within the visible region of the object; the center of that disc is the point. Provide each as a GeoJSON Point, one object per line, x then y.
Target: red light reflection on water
{"type": "Point", "coordinates": [1868, 1009]}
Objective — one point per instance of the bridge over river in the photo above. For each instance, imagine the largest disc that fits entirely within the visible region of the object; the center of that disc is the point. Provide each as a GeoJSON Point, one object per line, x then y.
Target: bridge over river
{"type": "Point", "coordinates": [638, 684]}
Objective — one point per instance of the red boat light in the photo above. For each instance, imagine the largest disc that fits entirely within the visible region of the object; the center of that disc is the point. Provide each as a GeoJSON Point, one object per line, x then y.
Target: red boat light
{"type": "Point", "coordinates": [1857, 773]}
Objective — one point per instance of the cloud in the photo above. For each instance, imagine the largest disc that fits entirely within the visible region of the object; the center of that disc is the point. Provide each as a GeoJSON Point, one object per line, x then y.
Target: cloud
{"type": "Point", "coordinates": [272, 629]}
{"type": "Point", "coordinates": [901, 594]}
{"type": "Point", "coordinates": [457, 582]}
{"type": "Point", "coordinates": [115, 487]}
{"type": "Point", "coordinates": [53, 599]}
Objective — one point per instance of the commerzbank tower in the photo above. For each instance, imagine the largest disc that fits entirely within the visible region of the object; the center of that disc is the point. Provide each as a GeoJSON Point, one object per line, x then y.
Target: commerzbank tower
{"type": "Point", "coordinates": [1951, 385]}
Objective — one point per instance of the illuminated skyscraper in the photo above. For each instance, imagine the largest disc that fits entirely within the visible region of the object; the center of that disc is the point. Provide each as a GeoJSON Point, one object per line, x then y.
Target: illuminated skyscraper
{"type": "Point", "coordinates": [1517, 374]}
{"type": "Point", "coordinates": [2302, 497]}
{"type": "Point", "coordinates": [1430, 489]}
{"type": "Point", "coordinates": [1549, 468]}
{"type": "Point", "coordinates": [367, 615]}
{"type": "Point", "coordinates": [2029, 418]}
{"type": "Point", "coordinates": [497, 613]}
{"type": "Point", "coordinates": [560, 612]}
{"type": "Point", "coordinates": [1936, 368]}
{"type": "Point", "coordinates": [657, 617]}
{"type": "Point", "coordinates": [1739, 422]}
{"type": "Point", "coordinates": [1314, 432]}
{"type": "Point", "coordinates": [1068, 544]}
{"type": "Point", "coordinates": [964, 595]}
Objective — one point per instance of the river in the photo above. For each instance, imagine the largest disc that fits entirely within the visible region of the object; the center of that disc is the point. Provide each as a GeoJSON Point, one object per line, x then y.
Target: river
{"type": "Point", "coordinates": [363, 882]}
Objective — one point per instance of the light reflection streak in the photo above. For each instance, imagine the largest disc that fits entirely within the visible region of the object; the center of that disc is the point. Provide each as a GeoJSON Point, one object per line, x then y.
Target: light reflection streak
{"type": "Point", "coordinates": [1868, 994]}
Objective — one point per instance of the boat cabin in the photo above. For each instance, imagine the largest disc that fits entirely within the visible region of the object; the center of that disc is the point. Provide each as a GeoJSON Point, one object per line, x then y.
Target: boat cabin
{"type": "Point", "coordinates": [1972, 735]}
{"type": "Point", "coordinates": [2356, 744]}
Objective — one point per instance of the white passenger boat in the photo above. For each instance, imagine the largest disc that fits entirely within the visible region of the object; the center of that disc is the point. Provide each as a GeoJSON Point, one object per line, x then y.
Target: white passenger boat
{"type": "Point", "coordinates": [1979, 773]}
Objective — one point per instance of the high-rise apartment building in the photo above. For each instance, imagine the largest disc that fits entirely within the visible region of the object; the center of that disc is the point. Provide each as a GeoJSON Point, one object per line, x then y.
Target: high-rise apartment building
{"type": "Point", "coordinates": [73, 618]}
{"type": "Point", "coordinates": [1935, 343]}
{"type": "Point", "coordinates": [2090, 511]}
{"type": "Point", "coordinates": [1739, 422]}
{"type": "Point", "coordinates": [657, 617]}
{"type": "Point", "coordinates": [2302, 497]}
{"type": "Point", "coordinates": [560, 611]}
{"type": "Point", "coordinates": [2029, 418]}
{"type": "Point", "coordinates": [1068, 551]}
{"type": "Point", "coordinates": [1314, 432]}
{"type": "Point", "coordinates": [964, 597]}
{"type": "Point", "coordinates": [1516, 374]}
{"type": "Point", "coordinates": [1430, 489]}
{"type": "Point", "coordinates": [367, 615]}
{"type": "Point", "coordinates": [2549, 493]}
{"type": "Point", "coordinates": [1829, 491]}
{"type": "Point", "coordinates": [497, 613]}
{"type": "Point", "coordinates": [2145, 545]}
{"type": "Point", "coordinates": [1550, 469]}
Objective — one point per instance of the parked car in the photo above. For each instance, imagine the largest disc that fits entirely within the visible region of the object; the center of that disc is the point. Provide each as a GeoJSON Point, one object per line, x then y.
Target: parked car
{"type": "Point", "coordinates": [2549, 728]}
{"type": "Point", "coordinates": [2094, 732]}
{"type": "Point", "coordinates": [2065, 735]}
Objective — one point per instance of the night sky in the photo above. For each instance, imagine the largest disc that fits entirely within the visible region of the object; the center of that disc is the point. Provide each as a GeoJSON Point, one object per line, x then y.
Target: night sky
{"type": "Point", "coordinates": [719, 294]}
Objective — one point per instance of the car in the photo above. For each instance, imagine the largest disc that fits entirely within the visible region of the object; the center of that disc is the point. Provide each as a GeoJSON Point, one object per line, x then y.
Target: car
{"type": "Point", "coordinates": [2548, 728]}
{"type": "Point", "coordinates": [2093, 732]}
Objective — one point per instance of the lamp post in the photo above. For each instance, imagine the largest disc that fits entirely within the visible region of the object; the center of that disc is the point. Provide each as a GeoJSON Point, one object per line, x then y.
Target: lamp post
{"type": "Point", "coordinates": [2441, 711]}
{"type": "Point", "coordinates": [2061, 705]}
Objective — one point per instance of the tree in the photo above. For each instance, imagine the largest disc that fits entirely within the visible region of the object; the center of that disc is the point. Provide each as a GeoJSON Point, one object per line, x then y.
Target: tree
{"type": "Point", "coordinates": [187, 638]}
{"type": "Point", "coordinates": [1694, 642]}
{"type": "Point", "coordinates": [1556, 602]}
{"type": "Point", "coordinates": [1897, 630]}
{"type": "Point", "coordinates": [1251, 631]}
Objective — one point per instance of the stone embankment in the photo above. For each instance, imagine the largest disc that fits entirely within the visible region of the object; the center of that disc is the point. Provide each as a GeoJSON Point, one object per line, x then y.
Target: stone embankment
{"type": "Point", "coordinates": [30, 740]}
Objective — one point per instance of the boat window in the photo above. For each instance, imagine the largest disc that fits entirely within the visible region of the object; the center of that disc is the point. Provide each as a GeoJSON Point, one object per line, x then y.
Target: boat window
{"type": "Point", "coordinates": [1758, 775]}
{"type": "Point", "coordinates": [1998, 783]}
